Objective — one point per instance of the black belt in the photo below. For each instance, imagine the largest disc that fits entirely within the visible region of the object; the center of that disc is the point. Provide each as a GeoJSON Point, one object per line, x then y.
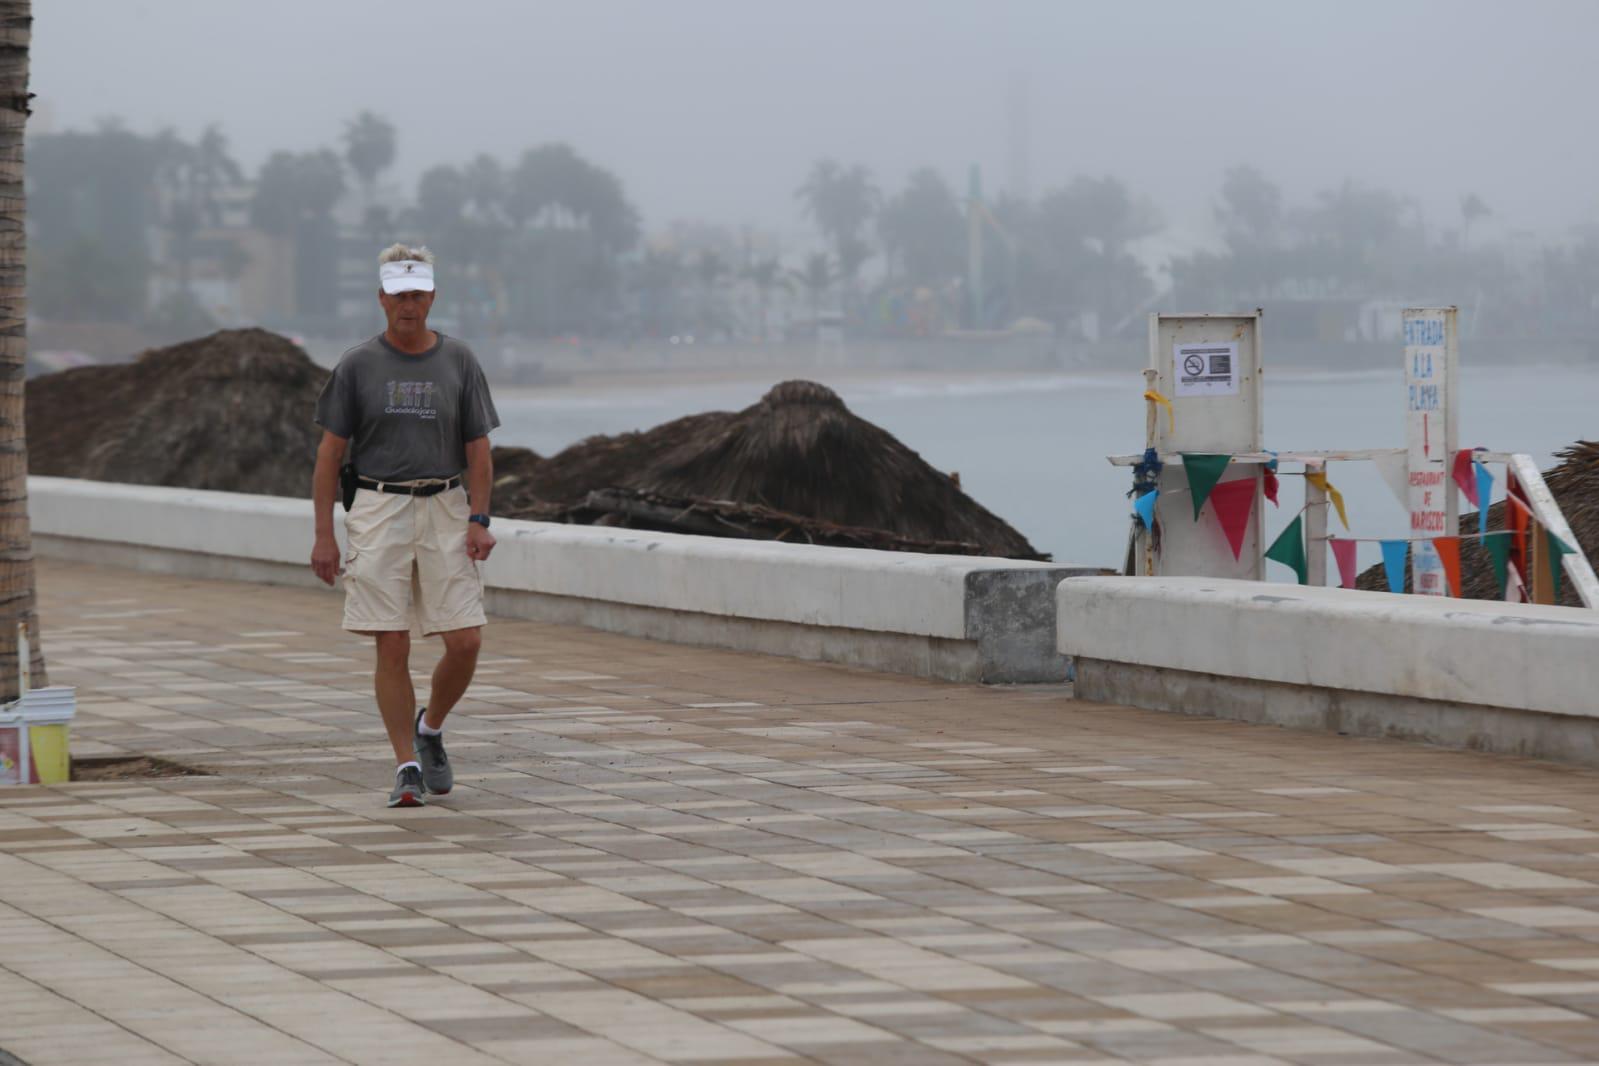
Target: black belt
{"type": "Point", "coordinates": [432, 489]}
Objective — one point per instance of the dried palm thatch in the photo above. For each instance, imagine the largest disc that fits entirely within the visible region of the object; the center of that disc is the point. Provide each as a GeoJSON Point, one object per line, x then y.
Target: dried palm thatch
{"type": "Point", "coordinates": [620, 461]}
{"type": "Point", "coordinates": [1574, 483]}
{"type": "Point", "coordinates": [227, 411]}
{"type": "Point", "coordinates": [799, 451]}
{"type": "Point", "coordinates": [749, 521]}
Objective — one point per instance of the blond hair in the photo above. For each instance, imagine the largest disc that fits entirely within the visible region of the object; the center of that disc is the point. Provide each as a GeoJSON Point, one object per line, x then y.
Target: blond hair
{"type": "Point", "coordinates": [399, 253]}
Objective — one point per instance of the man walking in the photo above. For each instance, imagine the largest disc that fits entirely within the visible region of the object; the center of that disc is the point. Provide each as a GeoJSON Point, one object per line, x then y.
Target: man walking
{"type": "Point", "coordinates": [411, 410]}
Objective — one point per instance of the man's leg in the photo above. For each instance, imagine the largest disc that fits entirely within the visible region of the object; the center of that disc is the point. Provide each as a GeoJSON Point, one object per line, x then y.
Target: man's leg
{"type": "Point", "coordinates": [452, 675]}
{"type": "Point", "coordinates": [396, 695]}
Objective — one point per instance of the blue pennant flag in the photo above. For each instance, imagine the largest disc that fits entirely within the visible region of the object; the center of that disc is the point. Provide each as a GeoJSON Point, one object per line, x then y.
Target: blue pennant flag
{"type": "Point", "coordinates": [1485, 495]}
{"type": "Point", "coordinates": [1145, 508]}
{"type": "Point", "coordinates": [1394, 555]}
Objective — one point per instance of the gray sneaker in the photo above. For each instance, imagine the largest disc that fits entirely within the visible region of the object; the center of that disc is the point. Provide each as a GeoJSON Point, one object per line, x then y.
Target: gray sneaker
{"type": "Point", "coordinates": [436, 772]}
{"type": "Point", "coordinates": [408, 789]}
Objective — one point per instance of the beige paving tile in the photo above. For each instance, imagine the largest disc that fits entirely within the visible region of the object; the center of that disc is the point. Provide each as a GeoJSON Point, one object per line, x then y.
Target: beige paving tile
{"type": "Point", "coordinates": [669, 854]}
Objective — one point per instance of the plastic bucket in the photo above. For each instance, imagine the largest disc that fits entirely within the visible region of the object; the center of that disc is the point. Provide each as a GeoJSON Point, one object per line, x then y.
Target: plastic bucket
{"type": "Point", "coordinates": [48, 714]}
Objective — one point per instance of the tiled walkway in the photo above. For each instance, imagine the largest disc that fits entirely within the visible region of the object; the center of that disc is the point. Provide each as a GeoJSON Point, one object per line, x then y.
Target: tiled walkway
{"type": "Point", "coordinates": [668, 854]}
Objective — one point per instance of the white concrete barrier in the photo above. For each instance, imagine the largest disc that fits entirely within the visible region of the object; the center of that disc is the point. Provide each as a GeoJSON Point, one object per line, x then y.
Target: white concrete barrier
{"type": "Point", "coordinates": [954, 617]}
{"type": "Point", "coordinates": [1515, 678]}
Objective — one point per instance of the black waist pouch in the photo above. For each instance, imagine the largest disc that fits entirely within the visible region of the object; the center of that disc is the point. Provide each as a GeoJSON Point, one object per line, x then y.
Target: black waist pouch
{"type": "Point", "coordinates": [347, 484]}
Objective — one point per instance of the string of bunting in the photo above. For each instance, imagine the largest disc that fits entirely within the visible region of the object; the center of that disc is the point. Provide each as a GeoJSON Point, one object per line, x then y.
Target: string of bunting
{"type": "Point", "coordinates": [1233, 501]}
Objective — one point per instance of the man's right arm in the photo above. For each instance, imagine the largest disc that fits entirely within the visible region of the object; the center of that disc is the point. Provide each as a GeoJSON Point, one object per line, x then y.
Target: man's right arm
{"type": "Point", "coordinates": [324, 489]}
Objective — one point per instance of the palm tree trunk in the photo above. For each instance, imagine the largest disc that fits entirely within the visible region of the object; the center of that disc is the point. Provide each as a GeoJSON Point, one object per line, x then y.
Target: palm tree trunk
{"type": "Point", "coordinates": [16, 539]}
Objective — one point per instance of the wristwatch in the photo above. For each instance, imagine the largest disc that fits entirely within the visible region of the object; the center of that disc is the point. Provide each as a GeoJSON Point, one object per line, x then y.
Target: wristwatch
{"type": "Point", "coordinates": [480, 519]}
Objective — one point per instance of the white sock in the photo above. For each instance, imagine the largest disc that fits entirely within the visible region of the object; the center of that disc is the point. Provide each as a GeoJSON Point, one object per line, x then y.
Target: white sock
{"type": "Point", "coordinates": [425, 729]}
{"type": "Point", "coordinates": [398, 770]}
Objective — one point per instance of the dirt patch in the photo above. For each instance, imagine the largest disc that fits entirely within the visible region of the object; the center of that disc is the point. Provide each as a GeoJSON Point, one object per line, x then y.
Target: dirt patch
{"type": "Point", "coordinates": [129, 767]}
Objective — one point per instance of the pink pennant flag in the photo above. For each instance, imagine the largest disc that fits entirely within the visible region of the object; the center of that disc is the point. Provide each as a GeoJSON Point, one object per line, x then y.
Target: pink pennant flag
{"type": "Point", "coordinates": [1465, 476]}
{"type": "Point", "coordinates": [1269, 486]}
{"type": "Point", "coordinates": [1344, 552]}
{"type": "Point", "coordinates": [1233, 501]}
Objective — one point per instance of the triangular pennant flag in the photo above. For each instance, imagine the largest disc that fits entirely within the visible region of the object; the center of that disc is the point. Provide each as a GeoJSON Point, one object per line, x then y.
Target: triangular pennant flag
{"type": "Point", "coordinates": [1269, 486]}
{"type": "Point", "coordinates": [1144, 507]}
{"type": "Point", "coordinates": [1395, 470]}
{"type": "Point", "coordinates": [1557, 548]}
{"type": "Point", "coordinates": [1448, 549]}
{"type": "Point", "coordinates": [1462, 473]}
{"type": "Point", "coordinates": [1203, 472]}
{"type": "Point", "coordinates": [1395, 553]}
{"type": "Point", "coordinates": [1171, 416]}
{"type": "Point", "coordinates": [1233, 501]}
{"type": "Point", "coordinates": [1318, 478]}
{"type": "Point", "coordinates": [1289, 549]}
{"type": "Point", "coordinates": [1344, 553]}
{"type": "Point", "coordinates": [1498, 545]}
{"type": "Point", "coordinates": [1516, 521]}
{"type": "Point", "coordinates": [1485, 496]}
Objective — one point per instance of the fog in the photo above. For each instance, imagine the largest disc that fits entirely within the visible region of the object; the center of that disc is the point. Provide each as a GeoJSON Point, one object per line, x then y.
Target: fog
{"type": "Point", "coordinates": [714, 109]}
{"type": "Point", "coordinates": [610, 183]}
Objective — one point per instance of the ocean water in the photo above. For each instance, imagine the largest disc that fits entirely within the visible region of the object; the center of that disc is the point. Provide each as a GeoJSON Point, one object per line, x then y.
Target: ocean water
{"type": "Point", "coordinates": [1033, 449]}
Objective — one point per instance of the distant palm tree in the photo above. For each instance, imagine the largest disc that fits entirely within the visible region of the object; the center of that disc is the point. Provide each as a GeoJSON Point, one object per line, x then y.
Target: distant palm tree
{"type": "Point", "coordinates": [369, 149]}
{"type": "Point", "coordinates": [17, 605]}
{"type": "Point", "coordinates": [765, 275]}
{"type": "Point", "coordinates": [214, 170]}
{"type": "Point", "coordinates": [194, 176]}
{"type": "Point", "coordinates": [710, 268]}
{"type": "Point", "coordinates": [1471, 209]}
{"type": "Point", "coordinates": [816, 278]}
{"type": "Point", "coordinates": [841, 201]}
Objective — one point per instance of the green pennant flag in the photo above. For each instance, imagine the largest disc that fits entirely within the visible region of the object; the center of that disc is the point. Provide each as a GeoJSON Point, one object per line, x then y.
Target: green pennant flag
{"type": "Point", "coordinates": [1557, 548]}
{"type": "Point", "coordinates": [1289, 549]}
{"type": "Point", "coordinates": [1498, 545]}
{"type": "Point", "coordinates": [1203, 472]}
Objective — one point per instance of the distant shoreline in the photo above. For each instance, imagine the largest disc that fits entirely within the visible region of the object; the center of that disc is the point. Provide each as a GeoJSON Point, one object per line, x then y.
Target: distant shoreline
{"type": "Point", "coordinates": [580, 385]}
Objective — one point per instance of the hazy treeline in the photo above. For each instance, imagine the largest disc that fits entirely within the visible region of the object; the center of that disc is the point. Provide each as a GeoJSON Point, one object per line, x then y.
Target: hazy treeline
{"type": "Point", "coordinates": [549, 243]}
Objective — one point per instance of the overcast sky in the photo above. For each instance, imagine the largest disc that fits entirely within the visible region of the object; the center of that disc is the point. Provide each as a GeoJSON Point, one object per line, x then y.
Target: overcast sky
{"type": "Point", "coordinates": [714, 109]}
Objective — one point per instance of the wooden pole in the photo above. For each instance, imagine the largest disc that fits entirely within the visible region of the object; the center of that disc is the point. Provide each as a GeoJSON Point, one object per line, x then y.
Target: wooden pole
{"type": "Point", "coordinates": [1543, 584]}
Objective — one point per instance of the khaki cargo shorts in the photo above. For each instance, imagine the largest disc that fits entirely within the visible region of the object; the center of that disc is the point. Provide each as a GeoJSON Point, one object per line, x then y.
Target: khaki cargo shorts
{"type": "Point", "coordinates": [404, 558]}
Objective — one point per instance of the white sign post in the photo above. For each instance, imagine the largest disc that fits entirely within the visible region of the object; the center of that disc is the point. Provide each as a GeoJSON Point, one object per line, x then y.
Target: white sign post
{"type": "Point", "coordinates": [1432, 364]}
{"type": "Point", "coordinates": [1209, 366]}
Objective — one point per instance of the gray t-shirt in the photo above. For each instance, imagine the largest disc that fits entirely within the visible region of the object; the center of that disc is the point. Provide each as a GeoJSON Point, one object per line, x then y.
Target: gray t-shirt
{"type": "Point", "coordinates": [407, 416]}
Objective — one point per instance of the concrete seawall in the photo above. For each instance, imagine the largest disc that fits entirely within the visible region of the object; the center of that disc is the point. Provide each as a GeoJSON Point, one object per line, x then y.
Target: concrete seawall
{"type": "Point", "coordinates": [955, 618]}
{"type": "Point", "coordinates": [1513, 678]}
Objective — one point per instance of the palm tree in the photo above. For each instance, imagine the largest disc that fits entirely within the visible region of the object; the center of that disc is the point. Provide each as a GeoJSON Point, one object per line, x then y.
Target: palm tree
{"type": "Point", "coordinates": [765, 275]}
{"type": "Point", "coordinates": [214, 169]}
{"type": "Point", "coordinates": [841, 202]}
{"type": "Point", "coordinates": [194, 176]}
{"type": "Point", "coordinates": [369, 149]}
{"type": "Point", "coordinates": [1471, 209]}
{"type": "Point", "coordinates": [17, 606]}
{"type": "Point", "coordinates": [710, 268]}
{"type": "Point", "coordinates": [817, 276]}
{"type": "Point", "coordinates": [175, 172]}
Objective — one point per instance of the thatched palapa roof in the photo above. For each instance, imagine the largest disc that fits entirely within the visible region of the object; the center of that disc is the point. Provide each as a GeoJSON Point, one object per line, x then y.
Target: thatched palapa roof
{"type": "Point", "coordinates": [229, 411]}
{"type": "Point", "coordinates": [799, 450]}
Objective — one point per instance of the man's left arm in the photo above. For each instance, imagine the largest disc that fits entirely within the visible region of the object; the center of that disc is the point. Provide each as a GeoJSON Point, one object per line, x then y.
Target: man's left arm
{"type": "Point", "coordinates": [479, 483]}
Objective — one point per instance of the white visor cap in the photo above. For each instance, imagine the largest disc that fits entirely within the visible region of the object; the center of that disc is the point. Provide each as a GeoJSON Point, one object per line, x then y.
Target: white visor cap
{"type": "Point", "coordinates": [406, 275]}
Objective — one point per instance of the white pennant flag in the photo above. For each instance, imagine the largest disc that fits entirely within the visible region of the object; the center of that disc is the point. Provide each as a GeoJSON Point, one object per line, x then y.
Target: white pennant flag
{"type": "Point", "coordinates": [1395, 470]}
